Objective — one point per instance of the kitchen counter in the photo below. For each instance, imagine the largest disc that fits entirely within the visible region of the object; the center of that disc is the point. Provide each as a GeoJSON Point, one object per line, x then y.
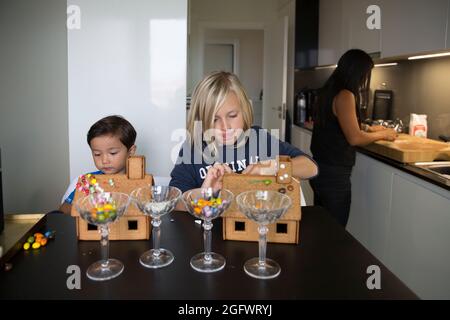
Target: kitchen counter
{"type": "Point", "coordinates": [408, 168]}
{"type": "Point", "coordinates": [327, 264]}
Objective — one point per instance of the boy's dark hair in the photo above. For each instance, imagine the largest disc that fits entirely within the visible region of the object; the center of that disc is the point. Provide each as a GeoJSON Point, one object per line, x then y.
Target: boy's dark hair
{"type": "Point", "coordinates": [113, 125]}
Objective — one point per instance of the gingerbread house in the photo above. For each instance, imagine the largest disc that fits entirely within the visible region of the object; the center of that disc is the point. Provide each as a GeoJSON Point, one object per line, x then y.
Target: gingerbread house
{"type": "Point", "coordinates": [133, 225]}
{"type": "Point", "coordinates": [236, 226]}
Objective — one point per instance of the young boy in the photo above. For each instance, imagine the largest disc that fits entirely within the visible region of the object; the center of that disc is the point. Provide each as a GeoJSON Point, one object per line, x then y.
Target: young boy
{"type": "Point", "coordinates": [111, 140]}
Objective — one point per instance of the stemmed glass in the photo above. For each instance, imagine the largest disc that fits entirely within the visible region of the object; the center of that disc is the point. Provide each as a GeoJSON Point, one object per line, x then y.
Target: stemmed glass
{"type": "Point", "coordinates": [156, 201]}
{"type": "Point", "coordinates": [263, 207]}
{"type": "Point", "coordinates": [102, 209]}
{"type": "Point", "coordinates": [207, 204]}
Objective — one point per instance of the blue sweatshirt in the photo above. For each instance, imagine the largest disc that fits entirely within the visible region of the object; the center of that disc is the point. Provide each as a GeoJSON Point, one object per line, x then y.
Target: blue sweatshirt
{"type": "Point", "coordinates": [192, 165]}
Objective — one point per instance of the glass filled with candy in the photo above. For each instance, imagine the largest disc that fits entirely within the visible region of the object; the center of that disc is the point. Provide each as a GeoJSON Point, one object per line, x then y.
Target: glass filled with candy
{"type": "Point", "coordinates": [156, 201]}
{"type": "Point", "coordinates": [102, 209]}
{"type": "Point", "coordinates": [207, 204]}
{"type": "Point", "coordinates": [263, 207]}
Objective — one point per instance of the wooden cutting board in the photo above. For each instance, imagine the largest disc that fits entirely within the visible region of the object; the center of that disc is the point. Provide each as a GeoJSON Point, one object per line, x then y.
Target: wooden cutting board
{"type": "Point", "coordinates": [408, 149]}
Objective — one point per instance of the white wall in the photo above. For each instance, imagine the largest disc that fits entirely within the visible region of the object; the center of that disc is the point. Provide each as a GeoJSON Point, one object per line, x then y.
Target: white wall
{"type": "Point", "coordinates": [218, 14]}
{"type": "Point", "coordinates": [128, 58]}
{"type": "Point", "coordinates": [33, 104]}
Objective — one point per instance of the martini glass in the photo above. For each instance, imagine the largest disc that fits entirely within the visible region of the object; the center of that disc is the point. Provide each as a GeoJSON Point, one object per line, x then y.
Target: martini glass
{"type": "Point", "coordinates": [103, 209]}
{"type": "Point", "coordinates": [156, 201]}
{"type": "Point", "coordinates": [207, 205]}
{"type": "Point", "coordinates": [263, 207]}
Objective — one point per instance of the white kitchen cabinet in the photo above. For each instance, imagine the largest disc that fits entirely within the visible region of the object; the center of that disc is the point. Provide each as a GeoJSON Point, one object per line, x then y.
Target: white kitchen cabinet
{"type": "Point", "coordinates": [332, 35]}
{"type": "Point", "coordinates": [301, 138]}
{"type": "Point", "coordinates": [419, 237]}
{"type": "Point", "coordinates": [412, 26]}
{"type": "Point", "coordinates": [405, 222]}
{"type": "Point", "coordinates": [370, 208]}
{"type": "Point", "coordinates": [358, 35]}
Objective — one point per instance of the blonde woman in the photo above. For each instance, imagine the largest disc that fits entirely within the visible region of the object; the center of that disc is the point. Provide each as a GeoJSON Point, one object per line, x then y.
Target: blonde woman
{"type": "Point", "coordinates": [221, 138]}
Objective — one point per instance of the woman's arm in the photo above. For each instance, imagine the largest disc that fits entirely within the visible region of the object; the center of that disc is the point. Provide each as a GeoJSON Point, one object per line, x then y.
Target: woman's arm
{"type": "Point", "coordinates": [345, 110]}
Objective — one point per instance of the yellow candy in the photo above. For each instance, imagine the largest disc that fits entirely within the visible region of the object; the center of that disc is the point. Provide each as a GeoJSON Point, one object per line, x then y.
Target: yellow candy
{"type": "Point", "coordinates": [108, 207]}
{"type": "Point", "coordinates": [93, 181]}
{"type": "Point", "coordinates": [36, 245]}
{"type": "Point", "coordinates": [26, 246]}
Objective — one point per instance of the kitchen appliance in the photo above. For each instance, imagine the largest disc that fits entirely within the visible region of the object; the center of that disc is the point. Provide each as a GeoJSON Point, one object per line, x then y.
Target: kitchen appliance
{"type": "Point", "coordinates": [382, 105]}
{"type": "Point", "coordinates": [303, 106]}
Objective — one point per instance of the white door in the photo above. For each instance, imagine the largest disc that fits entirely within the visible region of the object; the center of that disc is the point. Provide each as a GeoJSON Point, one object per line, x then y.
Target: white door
{"type": "Point", "coordinates": [275, 76]}
{"type": "Point", "coordinates": [218, 57]}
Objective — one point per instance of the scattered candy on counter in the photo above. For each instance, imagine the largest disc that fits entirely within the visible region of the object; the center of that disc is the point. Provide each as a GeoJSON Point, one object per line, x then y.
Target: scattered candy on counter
{"type": "Point", "coordinates": [208, 207]}
{"type": "Point", "coordinates": [38, 240]}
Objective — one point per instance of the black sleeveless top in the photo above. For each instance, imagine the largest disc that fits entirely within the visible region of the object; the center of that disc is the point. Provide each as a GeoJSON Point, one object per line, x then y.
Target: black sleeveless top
{"type": "Point", "coordinates": [329, 145]}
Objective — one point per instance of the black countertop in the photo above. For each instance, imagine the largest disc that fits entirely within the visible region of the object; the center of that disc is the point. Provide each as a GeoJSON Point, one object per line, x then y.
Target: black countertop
{"type": "Point", "coordinates": [327, 264]}
{"type": "Point", "coordinates": [408, 168]}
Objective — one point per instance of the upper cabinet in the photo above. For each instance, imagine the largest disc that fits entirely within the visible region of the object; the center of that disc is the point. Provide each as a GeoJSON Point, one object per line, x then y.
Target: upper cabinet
{"type": "Point", "coordinates": [413, 26]}
{"type": "Point", "coordinates": [407, 27]}
{"type": "Point", "coordinates": [448, 26]}
{"type": "Point", "coordinates": [358, 34]}
{"type": "Point", "coordinates": [306, 33]}
{"type": "Point", "coordinates": [332, 35]}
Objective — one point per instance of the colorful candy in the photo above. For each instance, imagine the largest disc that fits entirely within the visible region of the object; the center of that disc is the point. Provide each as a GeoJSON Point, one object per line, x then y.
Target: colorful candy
{"type": "Point", "coordinates": [208, 207]}
{"type": "Point", "coordinates": [38, 240]}
{"type": "Point", "coordinates": [88, 184]}
{"type": "Point", "coordinates": [105, 210]}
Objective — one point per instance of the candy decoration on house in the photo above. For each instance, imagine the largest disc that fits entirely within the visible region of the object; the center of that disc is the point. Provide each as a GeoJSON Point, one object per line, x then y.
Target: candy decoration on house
{"type": "Point", "coordinates": [133, 225]}
{"type": "Point", "coordinates": [236, 226]}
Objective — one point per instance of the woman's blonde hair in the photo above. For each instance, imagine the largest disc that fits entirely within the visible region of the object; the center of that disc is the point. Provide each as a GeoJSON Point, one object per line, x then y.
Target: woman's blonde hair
{"type": "Point", "coordinates": [207, 98]}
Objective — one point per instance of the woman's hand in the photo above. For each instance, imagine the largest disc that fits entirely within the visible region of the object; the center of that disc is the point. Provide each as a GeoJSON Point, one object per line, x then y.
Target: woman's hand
{"type": "Point", "coordinates": [375, 128]}
{"type": "Point", "coordinates": [388, 134]}
{"type": "Point", "coordinates": [215, 175]}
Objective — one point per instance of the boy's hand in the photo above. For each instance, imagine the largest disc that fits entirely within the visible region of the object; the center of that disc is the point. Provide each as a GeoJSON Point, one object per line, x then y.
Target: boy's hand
{"type": "Point", "coordinates": [215, 175]}
{"type": "Point", "coordinates": [264, 168]}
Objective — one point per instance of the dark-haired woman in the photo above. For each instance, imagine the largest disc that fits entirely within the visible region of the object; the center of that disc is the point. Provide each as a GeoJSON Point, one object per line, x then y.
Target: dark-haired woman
{"type": "Point", "coordinates": [337, 131]}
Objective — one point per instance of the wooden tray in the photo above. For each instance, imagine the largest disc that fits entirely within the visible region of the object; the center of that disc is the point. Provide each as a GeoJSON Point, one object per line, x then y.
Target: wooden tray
{"type": "Point", "coordinates": [409, 149]}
